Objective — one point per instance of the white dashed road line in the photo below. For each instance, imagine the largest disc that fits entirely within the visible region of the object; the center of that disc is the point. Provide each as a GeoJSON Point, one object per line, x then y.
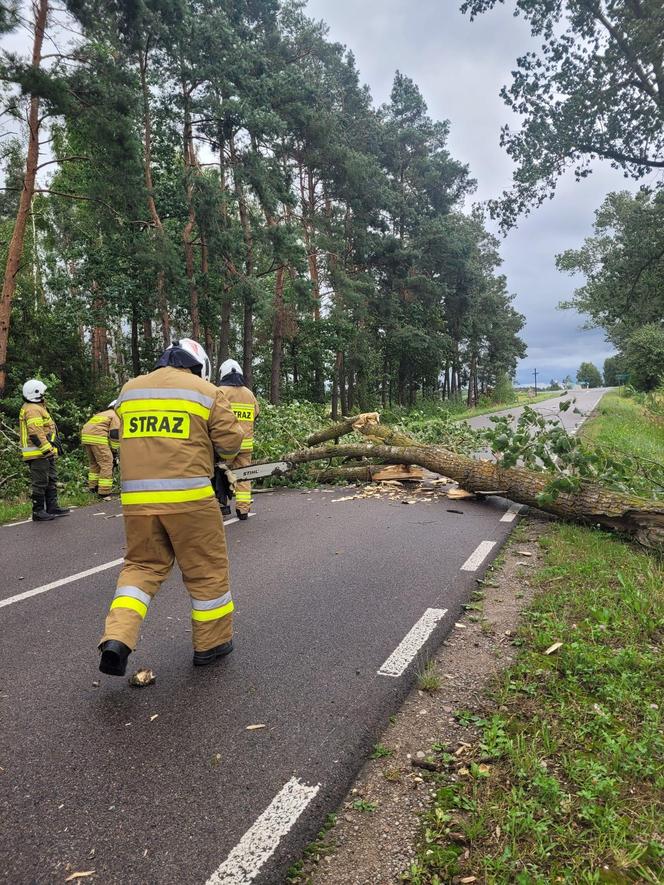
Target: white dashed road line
{"type": "Point", "coordinates": [511, 514]}
{"type": "Point", "coordinates": [260, 841]}
{"type": "Point", "coordinates": [398, 661]}
{"type": "Point", "coordinates": [478, 556]}
{"type": "Point", "coordinates": [19, 597]}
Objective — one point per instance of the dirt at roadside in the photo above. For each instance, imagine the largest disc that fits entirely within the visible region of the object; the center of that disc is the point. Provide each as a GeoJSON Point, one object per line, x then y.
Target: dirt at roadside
{"type": "Point", "coordinates": [373, 847]}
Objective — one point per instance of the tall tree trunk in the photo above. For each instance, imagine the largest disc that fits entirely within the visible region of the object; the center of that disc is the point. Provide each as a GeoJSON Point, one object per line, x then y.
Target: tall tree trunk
{"type": "Point", "coordinates": [308, 198]}
{"type": "Point", "coordinates": [135, 351]}
{"type": "Point", "coordinates": [225, 330]}
{"type": "Point", "coordinates": [162, 303]}
{"type": "Point", "coordinates": [190, 165]}
{"type": "Point", "coordinates": [248, 341]}
{"type": "Point", "coordinates": [341, 382]}
{"type": "Point", "coordinates": [296, 373]}
{"type": "Point", "coordinates": [247, 234]}
{"type": "Point", "coordinates": [15, 250]}
{"type": "Point", "coordinates": [277, 337]}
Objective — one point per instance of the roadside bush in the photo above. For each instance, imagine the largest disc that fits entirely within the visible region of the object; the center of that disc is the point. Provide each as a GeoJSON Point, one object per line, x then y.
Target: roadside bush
{"type": "Point", "coordinates": [644, 357]}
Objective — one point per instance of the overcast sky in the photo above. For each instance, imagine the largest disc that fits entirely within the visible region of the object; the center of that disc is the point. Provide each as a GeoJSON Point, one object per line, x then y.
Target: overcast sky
{"type": "Point", "coordinates": [460, 67]}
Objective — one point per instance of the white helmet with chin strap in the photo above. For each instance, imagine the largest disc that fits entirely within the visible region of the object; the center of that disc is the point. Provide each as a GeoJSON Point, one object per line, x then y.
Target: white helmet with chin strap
{"type": "Point", "coordinates": [194, 349]}
{"type": "Point", "coordinates": [229, 366]}
{"type": "Point", "coordinates": [34, 390]}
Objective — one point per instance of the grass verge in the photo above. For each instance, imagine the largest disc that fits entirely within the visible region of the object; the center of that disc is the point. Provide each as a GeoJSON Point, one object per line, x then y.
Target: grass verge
{"type": "Point", "coordinates": [624, 424]}
{"type": "Point", "coordinates": [15, 510]}
{"type": "Point", "coordinates": [566, 782]}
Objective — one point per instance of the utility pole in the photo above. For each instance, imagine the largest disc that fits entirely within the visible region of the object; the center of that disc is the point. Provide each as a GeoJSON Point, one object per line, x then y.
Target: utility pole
{"type": "Point", "coordinates": [535, 374]}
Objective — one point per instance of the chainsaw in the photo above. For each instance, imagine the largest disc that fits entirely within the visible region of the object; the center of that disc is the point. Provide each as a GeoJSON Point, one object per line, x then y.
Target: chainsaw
{"type": "Point", "coordinates": [225, 479]}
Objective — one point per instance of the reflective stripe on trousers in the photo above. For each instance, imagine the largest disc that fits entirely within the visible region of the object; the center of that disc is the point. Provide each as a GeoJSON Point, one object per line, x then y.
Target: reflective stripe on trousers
{"type": "Point", "coordinates": [211, 609]}
{"type": "Point", "coordinates": [133, 598]}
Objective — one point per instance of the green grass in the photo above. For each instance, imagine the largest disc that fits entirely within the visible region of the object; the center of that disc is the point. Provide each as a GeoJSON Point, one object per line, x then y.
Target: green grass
{"type": "Point", "coordinates": [428, 680]}
{"type": "Point", "coordinates": [11, 511]}
{"type": "Point", "coordinates": [623, 424]}
{"type": "Point", "coordinates": [572, 791]}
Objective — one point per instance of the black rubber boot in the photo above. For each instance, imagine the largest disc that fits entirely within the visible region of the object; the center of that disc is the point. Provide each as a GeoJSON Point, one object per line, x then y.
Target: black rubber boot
{"type": "Point", "coordinates": [242, 516]}
{"type": "Point", "coordinates": [52, 505]}
{"type": "Point", "coordinates": [39, 514]}
{"type": "Point", "coordinates": [225, 510]}
{"type": "Point", "coordinates": [114, 656]}
{"type": "Point", "coordinates": [201, 658]}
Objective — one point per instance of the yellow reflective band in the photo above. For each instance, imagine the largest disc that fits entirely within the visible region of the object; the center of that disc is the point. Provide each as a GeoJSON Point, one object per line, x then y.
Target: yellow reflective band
{"type": "Point", "coordinates": [212, 614]}
{"type": "Point", "coordinates": [243, 411]}
{"type": "Point", "coordinates": [177, 497]}
{"type": "Point", "coordinates": [28, 456]}
{"type": "Point", "coordinates": [97, 419]}
{"type": "Point", "coordinates": [130, 602]}
{"type": "Point", "coordinates": [243, 496]}
{"type": "Point", "coordinates": [167, 425]}
{"type": "Point", "coordinates": [105, 483]}
{"type": "Point", "coordinates": [163, 405]}
{"type": "Point", "coordinates": [247, 445]}
{"type": "Point", "coordinates": [90, 440]}
{"type": "Point", "coordinates": [38, 422]}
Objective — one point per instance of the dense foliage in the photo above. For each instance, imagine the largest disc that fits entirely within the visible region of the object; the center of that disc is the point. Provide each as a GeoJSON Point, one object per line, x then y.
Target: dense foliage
{"type": "Point", "coordinates": [594, 89]}
{"type": "Point", "coordinates": [623, 292]}
{"type": "Point", "coordinates": [222, 173]}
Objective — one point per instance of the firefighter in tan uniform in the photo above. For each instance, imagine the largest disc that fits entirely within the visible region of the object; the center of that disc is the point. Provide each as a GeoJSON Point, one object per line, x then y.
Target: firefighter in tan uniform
{"type": "Point", "coordinates": [100, 438]}
{"type": "Point", "coordinates": [39, 448]}
{"type": "Point", "coordinates": [245, 407]}
{"type": "Point", "coordinates": [173, 424]}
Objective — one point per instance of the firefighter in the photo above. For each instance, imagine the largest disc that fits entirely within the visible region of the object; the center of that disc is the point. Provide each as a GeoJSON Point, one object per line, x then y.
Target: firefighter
{"type": "Point", "coordinates": [245, 407]}
{"type": "Point", "coordinates": [101, 440]}
{"type": "Point", "coordinates": [40, 448]}
{"type": "Point", "coordinates": [173, 423]}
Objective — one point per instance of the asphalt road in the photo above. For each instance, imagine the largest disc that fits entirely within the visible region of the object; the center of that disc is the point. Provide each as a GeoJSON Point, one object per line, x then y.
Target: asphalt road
{"type": "Point", "coordinates": [339, 603]}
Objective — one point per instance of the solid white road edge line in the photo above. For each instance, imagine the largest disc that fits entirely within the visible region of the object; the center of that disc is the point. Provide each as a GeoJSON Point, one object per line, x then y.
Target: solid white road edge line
{"type": "Point", "coordinates": [77, 577]}
{"type": "Point", "coordinates": [10, 525]}
{"type": "Point", "coordinates": [476, 558]}
{"type": "Point", "coordinates": [37, 590]}
{"type": "Point", "coordinates": [511, 514]}
{"type": "Point", "coordinates": [260, 841]}
{"type": "Point", "coordinates": [403, 654]}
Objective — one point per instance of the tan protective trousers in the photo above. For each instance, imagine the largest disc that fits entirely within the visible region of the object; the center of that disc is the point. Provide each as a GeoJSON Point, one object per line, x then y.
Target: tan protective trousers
{"type": "Point", "coordinates": [100, 470]}
{"type": "Point", "coordinates": [243, 489]}
{"type": "Point", "coordinates": [196, 539]}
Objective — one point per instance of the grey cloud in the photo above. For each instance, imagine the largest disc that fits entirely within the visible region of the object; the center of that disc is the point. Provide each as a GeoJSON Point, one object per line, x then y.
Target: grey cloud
{"type": "Point", "coordinates": [460, 67]}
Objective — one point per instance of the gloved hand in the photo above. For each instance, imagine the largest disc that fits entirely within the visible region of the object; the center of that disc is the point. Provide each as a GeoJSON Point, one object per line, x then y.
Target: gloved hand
{"type": "Point", "coordinates": [227, 478]}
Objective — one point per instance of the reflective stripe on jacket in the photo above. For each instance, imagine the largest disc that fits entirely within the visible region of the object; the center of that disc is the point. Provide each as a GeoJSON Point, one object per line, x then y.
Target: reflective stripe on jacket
{"type": "Point", "coordinates": [99, 430]}
{"type": "Point", "coordinates": [37, 431]}
{"type": "Point", "coordinates": [245, 408]}
{"type": "Point", "coordinates": [171, 424]}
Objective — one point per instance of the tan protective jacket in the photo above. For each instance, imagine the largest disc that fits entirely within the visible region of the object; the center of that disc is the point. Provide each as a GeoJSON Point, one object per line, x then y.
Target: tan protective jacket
{"type": "Point", "coordinates": [37, 430]}
{"type": "Point", "coordinates": [172, 423]}
{"type": "Point", "coordinates": [99, 430]}
{"type": "Point", "coordinates": [245, 408]}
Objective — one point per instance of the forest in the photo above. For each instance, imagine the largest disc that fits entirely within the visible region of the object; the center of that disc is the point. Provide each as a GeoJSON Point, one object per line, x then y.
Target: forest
{"type": "Point", "coordinates": [215, 168]}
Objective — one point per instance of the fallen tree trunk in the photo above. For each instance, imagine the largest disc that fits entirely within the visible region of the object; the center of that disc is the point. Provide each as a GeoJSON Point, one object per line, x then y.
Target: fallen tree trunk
{"type": "Point", "coordinates": [348, 425]}
{"type": "Point", "coordinates": [590, 504]}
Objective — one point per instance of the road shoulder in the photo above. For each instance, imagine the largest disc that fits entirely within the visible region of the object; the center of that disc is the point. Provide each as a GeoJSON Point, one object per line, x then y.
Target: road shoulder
{"type": "Point", "coordinates": [372, 838]}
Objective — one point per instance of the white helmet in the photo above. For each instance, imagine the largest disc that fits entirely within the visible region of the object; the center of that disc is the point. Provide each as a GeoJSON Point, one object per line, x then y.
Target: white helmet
{"type": "Point", "coordinates": [229, 366]}
{"type": "Point", "coordinates": [194, 348]}
{"type": "Point", "coordinates": [34, 390]}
